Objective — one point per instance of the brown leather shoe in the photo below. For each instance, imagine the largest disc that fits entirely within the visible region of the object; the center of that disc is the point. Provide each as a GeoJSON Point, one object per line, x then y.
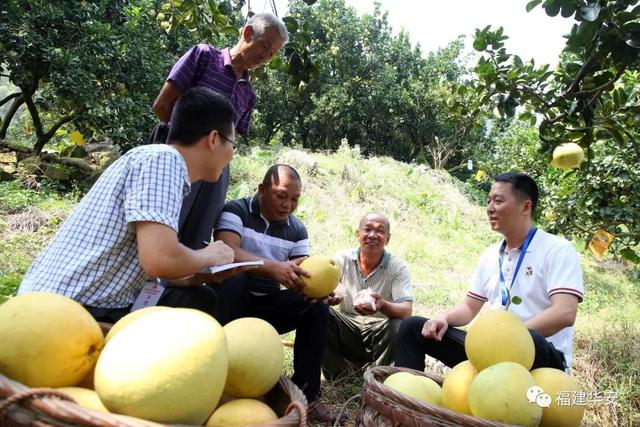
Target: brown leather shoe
{"type": "Point", "coordinates": [320, 413]}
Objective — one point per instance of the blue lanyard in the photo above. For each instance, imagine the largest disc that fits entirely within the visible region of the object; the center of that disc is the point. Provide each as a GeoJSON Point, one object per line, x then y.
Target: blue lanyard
{"type": "Point", "coordinates": [523, 251]}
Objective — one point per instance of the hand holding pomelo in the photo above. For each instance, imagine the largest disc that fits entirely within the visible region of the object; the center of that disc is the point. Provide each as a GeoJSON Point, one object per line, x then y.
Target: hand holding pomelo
{"type": "Point", "coordinates": [324, 276]}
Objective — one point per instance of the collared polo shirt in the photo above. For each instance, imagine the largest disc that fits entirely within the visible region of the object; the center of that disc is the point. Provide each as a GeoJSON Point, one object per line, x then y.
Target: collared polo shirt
{"type": "Point", "coordinates": [391, 279]}
{"type": "Point", "coordinates": [204, 65]}
{"type": "Point", "coordinates": [93, 257]}
{"type": "Point", "coordinates": [279, 241]}
{"type": "Point", "coordinates": [550, 266]}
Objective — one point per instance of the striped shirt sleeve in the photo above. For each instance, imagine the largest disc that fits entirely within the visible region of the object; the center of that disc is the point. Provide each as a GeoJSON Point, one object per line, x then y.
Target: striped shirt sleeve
{"type": "Point", "coordinates": [401, 289]}
{"type": "Point", "coordinates": [564, 274]}
{"type": "Point", "coordinates": [187, 69]}
{"type": "Point", "coordinates": [232, 218]}
{"type": "Point", "coordinates": [301, 245]}
{"type": "Point", "coordinates": [478, 288]}
{"type": "Point", "coordinates": [244, 124]}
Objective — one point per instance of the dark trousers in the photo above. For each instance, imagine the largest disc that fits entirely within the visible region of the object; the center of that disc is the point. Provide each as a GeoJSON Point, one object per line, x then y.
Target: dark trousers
{"type": "Point", "coordinates": [412, 347]}
{"type": "Point", "coordinates": [286, 311]}
{"type": "Point", "coordinates": [201, 298]}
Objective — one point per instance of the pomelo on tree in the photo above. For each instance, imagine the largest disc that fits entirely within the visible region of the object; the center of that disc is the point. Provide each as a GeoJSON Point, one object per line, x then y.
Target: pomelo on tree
{"type": "Point", "coordinates": [47, 340]}
{"type": "Point", "coordinates": [567, 156]}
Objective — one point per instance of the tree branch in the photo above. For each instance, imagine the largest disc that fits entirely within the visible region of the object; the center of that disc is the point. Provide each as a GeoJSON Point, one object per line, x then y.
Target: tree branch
{"type": "Point", "coordinates": [62, 120]}
{"type": "Point", "coordinates": [9, 98]}
{"type": "Point", "coordinates": [621, 70]}
{"type": "Point", "coordinates": [581, 73]}
{"type": "Point", "coordinates": [35, 116]}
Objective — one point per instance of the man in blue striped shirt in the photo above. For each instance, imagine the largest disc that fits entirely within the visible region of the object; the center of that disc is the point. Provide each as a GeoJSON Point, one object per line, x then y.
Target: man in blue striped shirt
{"type": "Point", "coordinates": [263, 227]}
{"type": "Point", "coordinates": [124, 230]}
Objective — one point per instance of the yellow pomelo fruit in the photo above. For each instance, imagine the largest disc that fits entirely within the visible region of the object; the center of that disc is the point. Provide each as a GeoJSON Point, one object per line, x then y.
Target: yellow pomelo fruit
{"type": "Point", "coordinates": [433, 389]}
{"type": "Point", "coordinates": [242, 412]}
{"type": "Point", "coordinates": [169, 366]}
{"type": "Point", "coordinates": [84, 397]}
{"type": "Point", "coordinates": [567, 156]}
{"type": "Point", "coordinates": [553, 381]}
{"type": "Point", "coordinates": [325, 275]}
{"type": "Point", "coordinates": [409, 385]}
{"type": "Point", "coordinates": [130, 318]}
{"type": "Point", "coordinates": [499, 336]}
{"type": "Point", "coordinates": [47, 340]}
{"type": "Point", "coordinates": [256, 357]}
{"type": "Point", "coordinates": [499, 393]}
{"type": "Point", "coordinates": [455, 388]}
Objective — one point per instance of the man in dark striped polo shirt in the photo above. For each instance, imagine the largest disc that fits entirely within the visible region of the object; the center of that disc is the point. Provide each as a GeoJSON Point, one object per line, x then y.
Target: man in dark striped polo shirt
{"type": "Point", "coordinates": [263, 227]}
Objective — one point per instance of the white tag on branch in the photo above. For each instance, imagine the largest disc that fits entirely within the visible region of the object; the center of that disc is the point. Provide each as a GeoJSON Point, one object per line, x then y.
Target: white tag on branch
{"type": "Point", "coordinates": [364, 298]}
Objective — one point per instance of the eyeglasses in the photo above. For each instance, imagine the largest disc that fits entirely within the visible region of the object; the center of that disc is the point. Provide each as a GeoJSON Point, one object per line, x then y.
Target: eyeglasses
{"type": "Point", "coordinates": [226, 138]}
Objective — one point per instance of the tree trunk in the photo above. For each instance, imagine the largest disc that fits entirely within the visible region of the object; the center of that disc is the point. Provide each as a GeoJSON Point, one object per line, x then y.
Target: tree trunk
{"type": "Point", "coordinates": [42, 136]}
{"type": "Point", "coordinates": [17, 102]}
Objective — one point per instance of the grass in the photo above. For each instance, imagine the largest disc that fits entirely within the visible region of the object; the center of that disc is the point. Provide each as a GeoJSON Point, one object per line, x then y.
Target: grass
{"type": "Point", "coordinates": [435, 228]}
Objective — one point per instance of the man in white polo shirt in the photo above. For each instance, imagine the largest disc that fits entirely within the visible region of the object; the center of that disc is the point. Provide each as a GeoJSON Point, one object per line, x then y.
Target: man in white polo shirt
{"type": "Point", "coordinates": [377, 296]}
{"type": "Point", "coordinates": [541, 269]}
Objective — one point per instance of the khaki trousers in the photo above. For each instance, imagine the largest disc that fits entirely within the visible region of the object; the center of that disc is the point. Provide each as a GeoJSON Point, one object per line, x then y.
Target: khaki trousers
{"type": "Point", "coordinates": [363, 340]}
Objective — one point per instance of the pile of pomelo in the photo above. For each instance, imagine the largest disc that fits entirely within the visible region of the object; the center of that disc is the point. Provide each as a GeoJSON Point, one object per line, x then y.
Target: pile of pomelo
{"type": "Point", "coordinates": [169, 365]}
{"type": "Point", "coordinates": [496, 382]}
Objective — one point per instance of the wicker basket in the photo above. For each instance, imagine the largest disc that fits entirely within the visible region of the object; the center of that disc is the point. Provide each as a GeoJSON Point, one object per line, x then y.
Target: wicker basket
{"type": "Point", "coordinates": [21, 406]}
{"type": "Point", "coordinates": [384, 407]}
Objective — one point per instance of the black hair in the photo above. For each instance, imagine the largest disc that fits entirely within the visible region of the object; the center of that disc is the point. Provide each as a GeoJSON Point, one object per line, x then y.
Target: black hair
{"type": "Point", "coordinates": [523, 186]}
{"type": "Point", "coordinates": [274, 175]}
{"type": "Point", "coordinates": [197, 112]}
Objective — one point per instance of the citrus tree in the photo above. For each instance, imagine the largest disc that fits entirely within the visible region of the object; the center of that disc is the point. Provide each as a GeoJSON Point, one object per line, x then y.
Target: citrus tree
{"type": "Point", "coordinates": [94, 65]}
{"type": "Point", "coordinates": [590, 99]}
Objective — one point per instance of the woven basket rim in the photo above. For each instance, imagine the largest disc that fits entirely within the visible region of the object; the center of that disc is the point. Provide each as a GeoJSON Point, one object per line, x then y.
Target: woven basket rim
{"type": "Point", "coordinates": [70, 412]}
{"type": "Point", "coordinates": [374, 389]}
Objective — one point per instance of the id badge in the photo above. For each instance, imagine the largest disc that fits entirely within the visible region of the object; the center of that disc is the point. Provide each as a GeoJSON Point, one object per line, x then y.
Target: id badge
{"type": "Point", "coordinates": [149, 295]}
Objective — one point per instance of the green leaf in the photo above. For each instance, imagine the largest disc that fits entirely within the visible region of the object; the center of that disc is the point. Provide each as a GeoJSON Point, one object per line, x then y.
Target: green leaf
{"type": "Point", "coordinates": [630, 255]}
{"type": "Point", "coordinates": [229, 30]}
{"type": "Point", "coordinates": [575, 135]}
{"type": "Point", "coordinates": [291, 23]}
{"type": "Point", "coordinates": [532, 4]}
{"type": "Point", "coordinates": [633, 39]}
{"type": "Point", "coordinates": [567, 10]}
{"type": "Point", "coordinates": [480, 43]}
{"type": "Point", "coordinates": [590, 13]}
{"type": "Point", "coordinates": [525, 116]}
{"type": "Point", "coordinates": [551, 7]}
{"type": "Point", "coordinates": [516, 300]}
